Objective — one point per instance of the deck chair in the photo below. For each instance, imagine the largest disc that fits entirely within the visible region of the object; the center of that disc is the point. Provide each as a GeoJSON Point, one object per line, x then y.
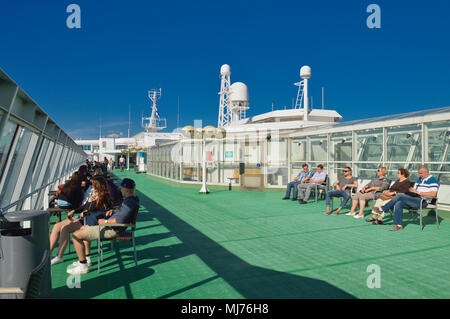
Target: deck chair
{"type": "Point", "coordinates": [433, 205]}
{"type": "Point", "coordinates": [321, 189]}
{"type": "Point", "coordinates": [33, 288]}
{"type": "Point", "coordinates": [125, 236]}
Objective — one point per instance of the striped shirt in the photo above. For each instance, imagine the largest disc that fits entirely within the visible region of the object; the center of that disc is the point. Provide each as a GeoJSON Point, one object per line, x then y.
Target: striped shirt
{"type": "Point", "coordinates": [429, 184]}
{"type": "Point", "coordinates": [302, 175]}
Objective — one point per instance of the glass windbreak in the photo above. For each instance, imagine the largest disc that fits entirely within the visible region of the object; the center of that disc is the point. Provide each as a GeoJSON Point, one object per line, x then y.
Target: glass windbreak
{"type": "Point", "coordinates": [298, 149]}
{"type": "Point", "coordinates": [251, 153]}
{"type": "Point", "coordinates": [277, 151]}
{"type": "Point", "coordinates": [319, 148]}
{"type": "Point", "coordinates": [192, 152]}
{"type": "Point", "coordinates": [15, 166]}
{"type": "Point", "coordinates": [5, 143]}
{"type": "Point", "coordinates": [404, 143]}
{"type": "Point", "coordinates": [369, 145]}
{"type": "Point", "coordinates": [341, 147]}
{"type": "Point", "coordinates": [369, 171]}
{"type": "Point", "coordinates": [438, 141]}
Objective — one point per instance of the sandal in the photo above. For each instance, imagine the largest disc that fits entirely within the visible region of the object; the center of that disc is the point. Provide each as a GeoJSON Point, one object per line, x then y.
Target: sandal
{"type": "Point", "coordinates": [397, 227]}
{"type": "Point", "coordinates": [377, 222]}
{"type": "Point", "coordinates": [371, 219]}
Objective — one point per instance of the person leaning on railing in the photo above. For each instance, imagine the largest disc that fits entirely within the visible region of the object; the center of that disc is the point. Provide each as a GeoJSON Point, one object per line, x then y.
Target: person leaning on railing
{"type": "Point", "coordinates": [342, 188]}
{"type": "Point", "coordinates": [368, 191]}
{"type": "Point", "coordinates": [401, 186]}
{"type": "Point", "coordinates": [83, 236]}
{"type": "Point", "coordinates": [99, 200]}
{"type": "Point", "coordinates": [424, 190]}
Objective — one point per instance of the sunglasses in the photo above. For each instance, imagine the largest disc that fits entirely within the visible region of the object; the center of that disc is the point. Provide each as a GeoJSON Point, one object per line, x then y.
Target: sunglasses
{"type": "Point", "coordinates": [345, 171]}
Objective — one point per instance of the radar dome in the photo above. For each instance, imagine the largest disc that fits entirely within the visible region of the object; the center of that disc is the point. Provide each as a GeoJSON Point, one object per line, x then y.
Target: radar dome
{"type": "Point", "coordinates": [225, 70]}
{"type": "Point", "coordinates": [305, 72]}
{"type": "Point", "coordinates": [188, 131]}
{"type": "Point", "coordinates": [198, 132]}
{"type": "Point", "coordinates": [209, 131]}
{"type": "Point", "coordinates": [221, 132]}
{"type": "Point", "coordinates": [239, 92]}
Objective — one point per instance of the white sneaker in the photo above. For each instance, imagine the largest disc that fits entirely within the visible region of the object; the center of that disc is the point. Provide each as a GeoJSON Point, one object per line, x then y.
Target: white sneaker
{"type": "Point", "coordinates": [358, 216]}
{"type": "Point", "coordinates": [56, 260]}
{"type": "Point", "coordinates": [88, 259]}
{"type": "Point", "coordinates": [78, 268]}
{"type": "Point", "coordinates": [349, 214]}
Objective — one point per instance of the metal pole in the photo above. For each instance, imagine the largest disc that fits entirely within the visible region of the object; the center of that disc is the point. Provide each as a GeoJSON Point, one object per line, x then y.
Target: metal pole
{"type": "Point", "coordinates": [204, 189]}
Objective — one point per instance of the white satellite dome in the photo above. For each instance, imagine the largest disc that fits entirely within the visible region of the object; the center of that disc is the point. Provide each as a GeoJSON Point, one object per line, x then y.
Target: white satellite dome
{"type": "Point", "coordinates": [305, 72]}
{"type": "Point", "coordinates": [239, 92]}
{"type": "Point", "coordinates": [225, 70]}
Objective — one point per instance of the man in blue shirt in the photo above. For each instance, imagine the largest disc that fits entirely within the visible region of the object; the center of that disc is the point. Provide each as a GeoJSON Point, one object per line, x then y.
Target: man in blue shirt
{"type": "Point", "coordinates": [308, 183]}
{"type": "Point", "coordinates": [304, 173]}
{"type": "Point", "coordinates": [86, 234]}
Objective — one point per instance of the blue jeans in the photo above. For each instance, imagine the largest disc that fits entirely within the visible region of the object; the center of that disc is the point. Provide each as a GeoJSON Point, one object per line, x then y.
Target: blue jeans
{"type": "Point", "coordinates": [401, 201]}
{"type": "Point", "coordinates": [336, 193]}
{"type": "Point", "coordinates": [93, 218]}
{"type": "Point", "coordinates": [290, 185]}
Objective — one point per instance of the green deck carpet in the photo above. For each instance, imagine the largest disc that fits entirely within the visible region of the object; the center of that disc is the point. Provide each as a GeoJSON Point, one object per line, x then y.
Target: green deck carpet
{"type": "Point", "coordinates": [242, 244]}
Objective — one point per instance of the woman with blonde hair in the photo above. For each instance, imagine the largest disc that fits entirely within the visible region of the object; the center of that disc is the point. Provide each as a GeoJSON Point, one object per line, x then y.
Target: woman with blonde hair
{"type": "Point", "coordinates": [368, 192]}
{"type": "Point", "coordinates": [99, 200]}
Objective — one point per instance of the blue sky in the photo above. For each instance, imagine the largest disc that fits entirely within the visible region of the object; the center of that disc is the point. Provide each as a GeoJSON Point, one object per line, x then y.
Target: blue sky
{"type": "Point", "coordinates": [124, 48]}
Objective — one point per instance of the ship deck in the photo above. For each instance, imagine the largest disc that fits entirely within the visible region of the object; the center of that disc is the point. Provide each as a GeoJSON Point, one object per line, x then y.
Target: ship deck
{"type": "Point", "coordinates": [243, 244]}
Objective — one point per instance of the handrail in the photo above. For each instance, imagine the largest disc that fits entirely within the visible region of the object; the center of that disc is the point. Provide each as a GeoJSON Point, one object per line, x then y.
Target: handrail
{"type": "Point", "coordinates": [3, 209]}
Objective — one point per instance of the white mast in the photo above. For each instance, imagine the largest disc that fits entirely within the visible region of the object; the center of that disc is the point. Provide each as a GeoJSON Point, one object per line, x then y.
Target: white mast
{"type": "Point", "coordinates": [302, 95]}
{"type": "Point", "coordinates": [224, 104]}
{"type": "Point", "coordinates": [155, 122]}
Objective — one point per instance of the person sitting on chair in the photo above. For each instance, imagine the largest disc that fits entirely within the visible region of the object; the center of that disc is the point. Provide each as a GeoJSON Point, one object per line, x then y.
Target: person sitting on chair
{"type": "Point", "coordinates": [304, 173]}
{"type": "Point", "coordinates": [425, 189]}
{"type": "Point", "coordinates": [308, 183]}
{"type": "Point", "coordinates": [99, 200]}
{"type": "Point", "coordinates": [401, 186]}
{"type": "Point", "coordinates": [368, 192]}
{"type": "Point", "coordinates": [83, 236]}
{"type": "Point", "coordinates": [343, 187]}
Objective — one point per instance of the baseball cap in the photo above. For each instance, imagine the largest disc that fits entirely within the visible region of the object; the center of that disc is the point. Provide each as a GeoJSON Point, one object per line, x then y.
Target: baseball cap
{"type": "Point", "coordinates": [128, 183]}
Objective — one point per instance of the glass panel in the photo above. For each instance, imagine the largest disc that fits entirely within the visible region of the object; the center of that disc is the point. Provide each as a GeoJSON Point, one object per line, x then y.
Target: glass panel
{"type": "Point", "coordinates": [404, 143]}
{"type": "Point", "coordinates": [369, 145]}
{"type": "Point", "coordinates": [252, 153]}
{"type": "Point", "coordinates": [438, 141]}
{"type": "Point", "coordinates": [5, 143]}
{"type": "Point", "coordinates": [369, 171]}
{"type": "Point", "coordinates": [318, 148]}
{"type": "Point", "coordinates": [341, 147]}
{"type": "Point", "coordinates": [277, 175]}
{"type": "Point", "coordinates": [441, 172]}
{"type": "Point", "coordinates": [190, 172]}
{"type": "Point", "coordinates": [277, 151]}
{"type": "Point", "coordinates": [298, 149]}
{"type": "Point", "coordinates": [14, 168]}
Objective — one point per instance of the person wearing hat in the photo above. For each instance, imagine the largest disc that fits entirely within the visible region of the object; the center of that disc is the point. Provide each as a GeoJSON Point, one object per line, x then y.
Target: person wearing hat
{"type": "Point", "coordinates": [86, 234]}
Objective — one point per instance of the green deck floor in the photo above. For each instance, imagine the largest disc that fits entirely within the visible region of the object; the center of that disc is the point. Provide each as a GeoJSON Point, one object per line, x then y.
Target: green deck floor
{"type": "Point", "coordinates": [253, 245]}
